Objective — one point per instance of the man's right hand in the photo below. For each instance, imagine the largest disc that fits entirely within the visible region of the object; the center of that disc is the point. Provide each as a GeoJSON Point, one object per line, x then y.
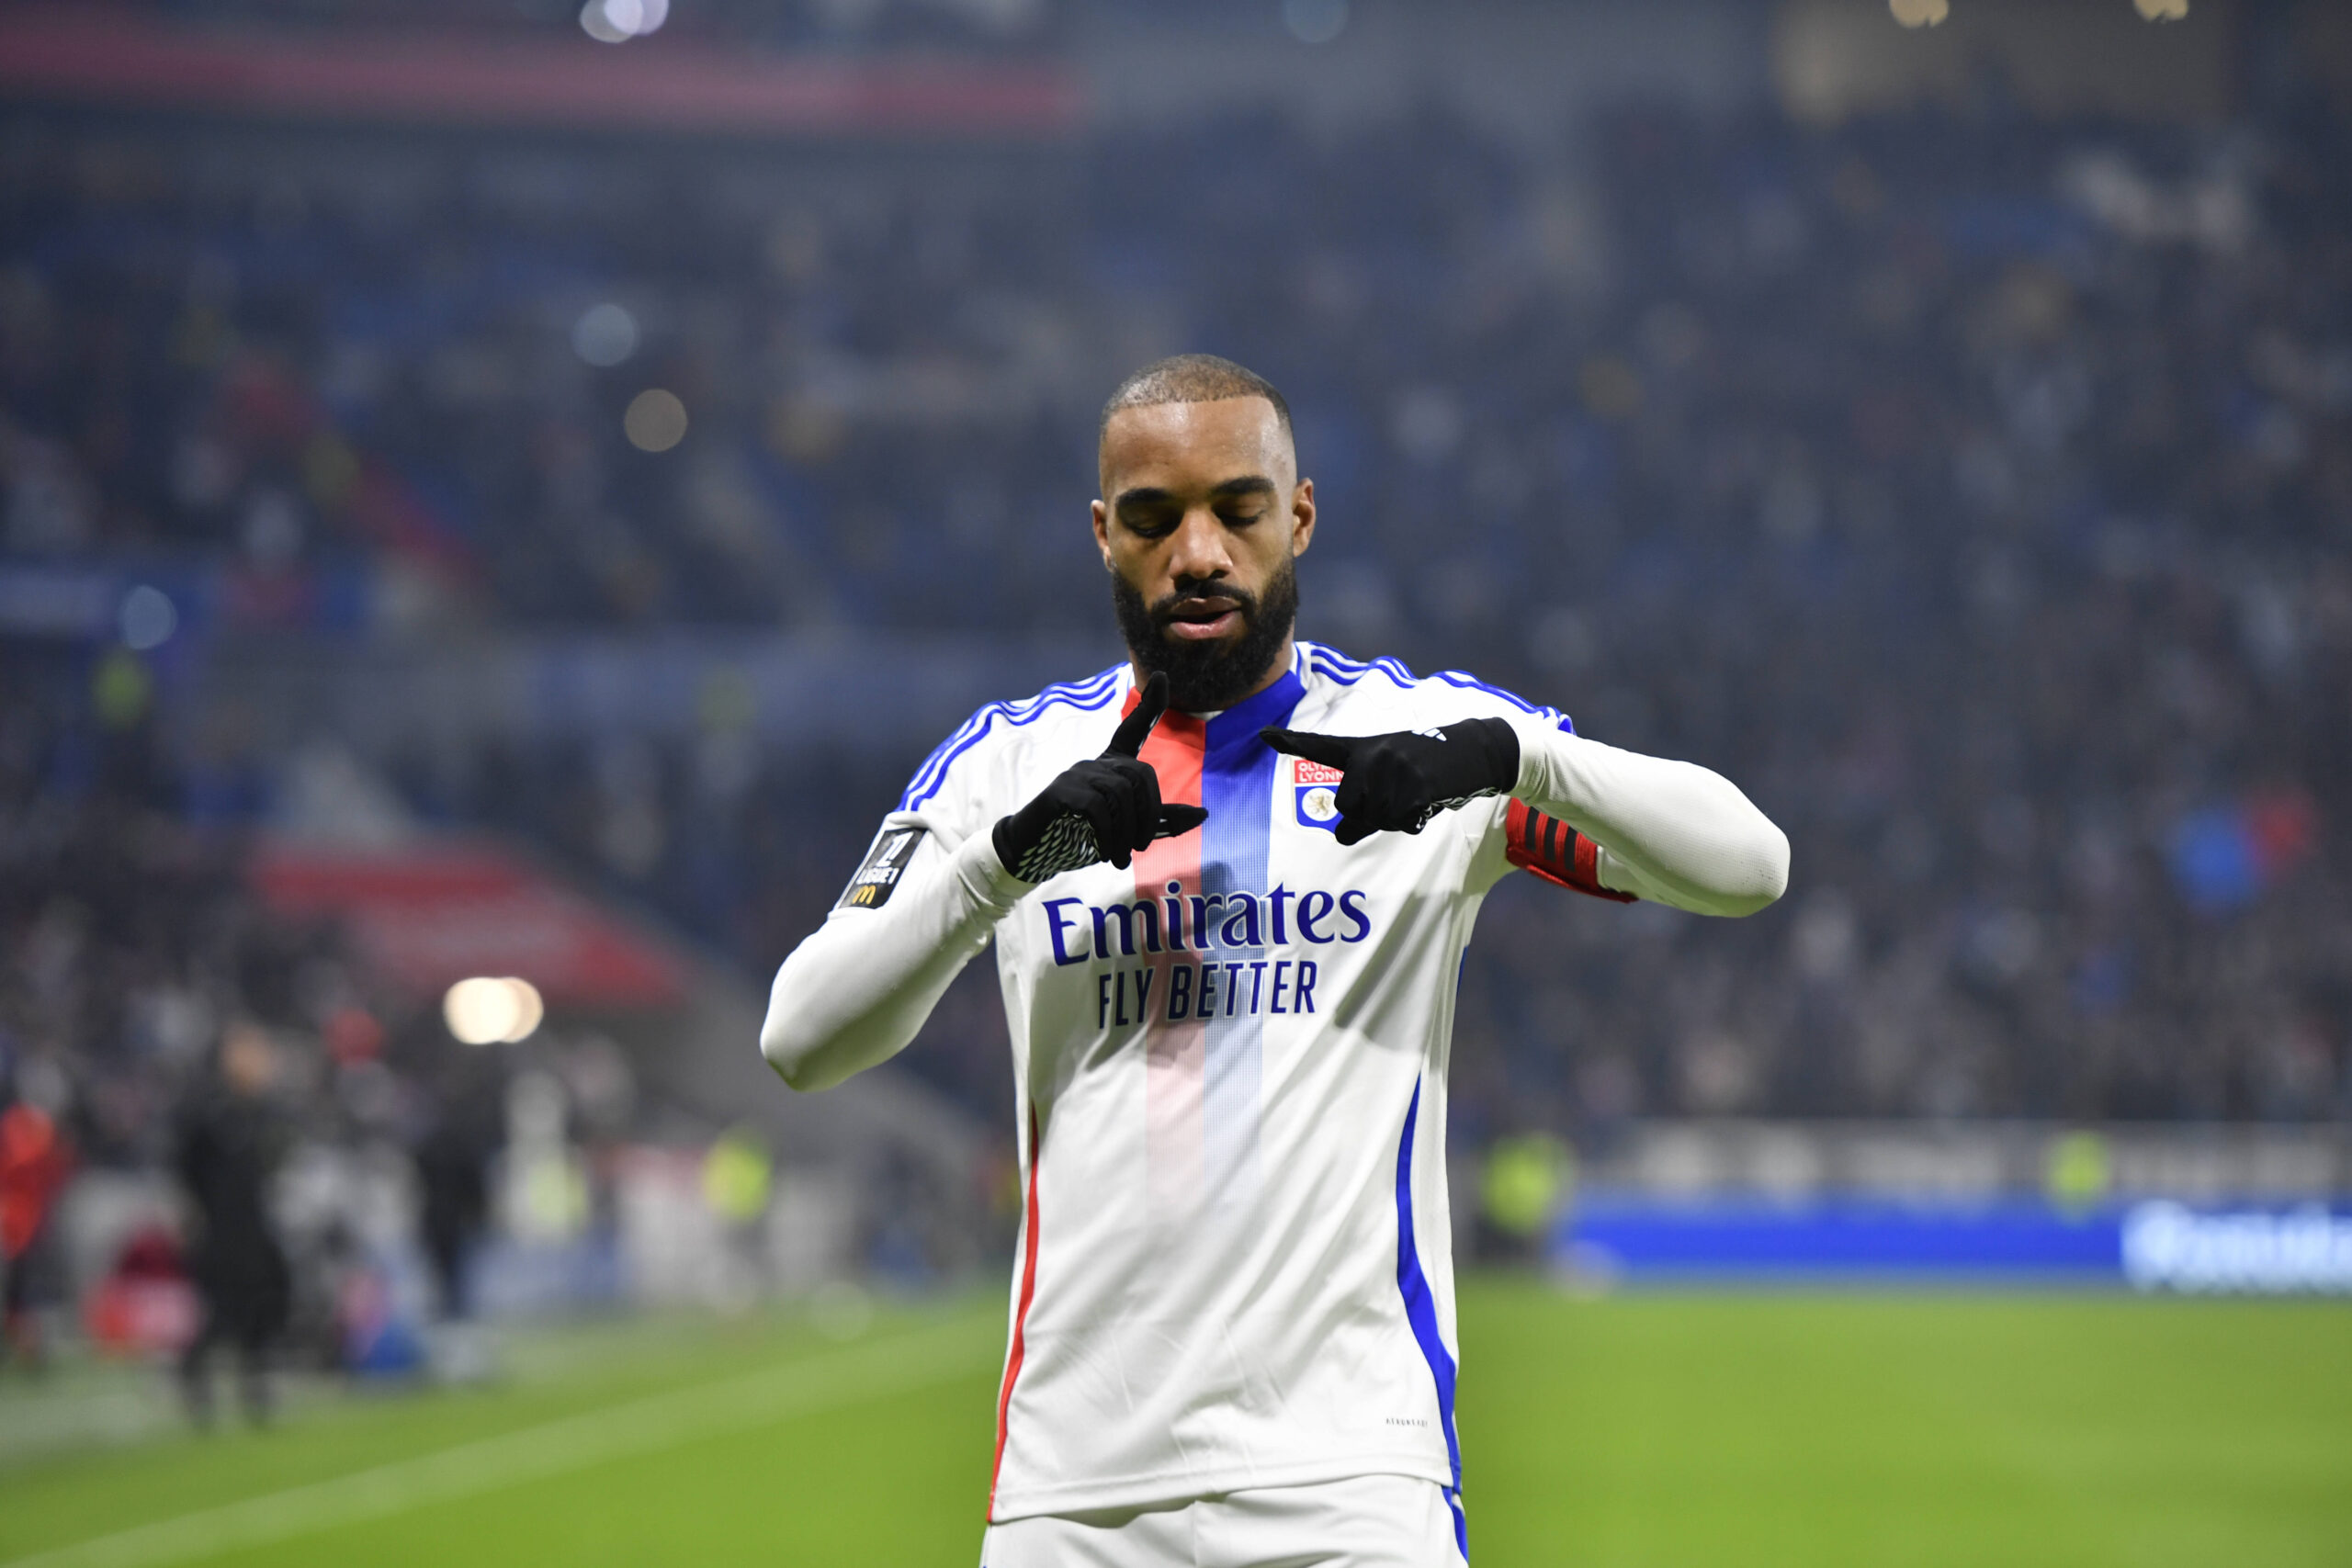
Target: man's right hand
{"type": "Point", "coordinates": [1104, 808]}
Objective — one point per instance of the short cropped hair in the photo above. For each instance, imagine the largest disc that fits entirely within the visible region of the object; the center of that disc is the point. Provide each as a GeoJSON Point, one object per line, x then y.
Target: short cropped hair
{"type": "Point", "coordinates": [1192, 378]}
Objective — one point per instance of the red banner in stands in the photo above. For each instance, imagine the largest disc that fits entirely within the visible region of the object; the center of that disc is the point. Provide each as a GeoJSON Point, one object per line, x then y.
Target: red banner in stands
{"type": "Point", "coordinates": [426, 917]}
{"type": "Point", "coordinates": [88, 54]}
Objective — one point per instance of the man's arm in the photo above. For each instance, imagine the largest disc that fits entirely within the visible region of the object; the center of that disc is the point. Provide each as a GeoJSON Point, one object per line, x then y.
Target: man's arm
{"type": "Point", "coordinates": [1669, 831]}
{"type": "Point", "coordinates": [857, 990]}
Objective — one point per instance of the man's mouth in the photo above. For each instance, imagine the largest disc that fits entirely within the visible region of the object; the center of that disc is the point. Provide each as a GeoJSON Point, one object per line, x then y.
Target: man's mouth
{"type": "Point", "coordinates": [1201, 620]}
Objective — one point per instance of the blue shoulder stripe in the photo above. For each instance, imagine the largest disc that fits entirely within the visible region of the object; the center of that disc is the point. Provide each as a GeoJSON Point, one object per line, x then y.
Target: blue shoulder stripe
{"type": "Point", "coordinates": [1339, 669]}
{"type": "Point", "coordinates": [1338, 666]}
{"type": "Point", "coordinates": [1471, 683]}
{"type": "Point", "coordinates": [1332, 660]}
{"type": "Point", "coordinates": [1079, 689]}
{"type": "Point", "coordinates": [1091, 692]}
{"type": "Point", "coordinates": [1086, 693]}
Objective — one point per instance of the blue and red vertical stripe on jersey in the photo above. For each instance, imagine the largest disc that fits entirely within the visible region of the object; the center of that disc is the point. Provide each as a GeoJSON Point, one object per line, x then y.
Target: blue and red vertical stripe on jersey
{"type": "Point", "coordinates": [1174, 1052]}
{"type": "Point", "coordinates": [1203, 1075]}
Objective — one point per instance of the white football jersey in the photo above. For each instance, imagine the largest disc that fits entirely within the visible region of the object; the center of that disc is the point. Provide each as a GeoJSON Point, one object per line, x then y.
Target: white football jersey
{"type": "Point", "coordinates": [1235, 1266]}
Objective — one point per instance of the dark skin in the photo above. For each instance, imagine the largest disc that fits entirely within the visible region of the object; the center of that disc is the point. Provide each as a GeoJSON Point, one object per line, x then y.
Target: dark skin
{"type": "Point", "coordinates": [1202, 496]}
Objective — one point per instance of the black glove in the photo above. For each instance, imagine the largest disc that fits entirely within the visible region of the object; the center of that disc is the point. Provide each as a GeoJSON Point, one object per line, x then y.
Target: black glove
{"type": "Point", "coordinates": [1105, 809]}
{"type": "Point", "coordinates": [1396, 783]}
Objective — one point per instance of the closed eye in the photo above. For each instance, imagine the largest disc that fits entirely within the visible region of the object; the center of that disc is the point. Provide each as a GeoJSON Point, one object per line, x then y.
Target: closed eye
{"type": "Point", "coordinates": [1151, 512]}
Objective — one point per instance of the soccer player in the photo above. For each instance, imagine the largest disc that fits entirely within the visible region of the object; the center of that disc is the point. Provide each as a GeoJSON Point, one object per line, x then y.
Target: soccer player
{"type": "Point", "coordinates": [1230, 884]}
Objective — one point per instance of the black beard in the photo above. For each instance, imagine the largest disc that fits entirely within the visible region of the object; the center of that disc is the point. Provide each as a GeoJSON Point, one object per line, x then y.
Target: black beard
{"type": "Point", "coordinates": [1209, 677]}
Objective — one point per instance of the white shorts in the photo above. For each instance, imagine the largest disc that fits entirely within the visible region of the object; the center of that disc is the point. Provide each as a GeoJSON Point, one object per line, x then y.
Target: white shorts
{"type": "Point", "coordinates": [1367, 1521]}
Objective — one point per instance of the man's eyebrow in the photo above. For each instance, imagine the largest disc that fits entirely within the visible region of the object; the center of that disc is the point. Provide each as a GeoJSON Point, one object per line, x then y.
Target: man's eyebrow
{"type": "Point", "coordinates": [1230, 490]}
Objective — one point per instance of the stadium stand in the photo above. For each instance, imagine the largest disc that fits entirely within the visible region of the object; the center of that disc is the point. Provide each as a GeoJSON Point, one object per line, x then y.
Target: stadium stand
{"type": "Point", "coordinates": [1971, 484]}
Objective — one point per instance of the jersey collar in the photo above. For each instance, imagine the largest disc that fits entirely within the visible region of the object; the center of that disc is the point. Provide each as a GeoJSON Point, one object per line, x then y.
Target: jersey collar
{"type": "Point", "coordinates": [1233, 734]}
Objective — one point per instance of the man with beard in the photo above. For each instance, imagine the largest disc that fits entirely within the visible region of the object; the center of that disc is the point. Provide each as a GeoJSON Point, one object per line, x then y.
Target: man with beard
{"type": "Point", "coordinates": [1229, 934]}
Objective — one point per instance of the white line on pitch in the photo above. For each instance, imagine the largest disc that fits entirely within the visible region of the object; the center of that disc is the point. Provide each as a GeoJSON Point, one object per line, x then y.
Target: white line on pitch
{"type": "Point", "coordinates": [571, 1442]}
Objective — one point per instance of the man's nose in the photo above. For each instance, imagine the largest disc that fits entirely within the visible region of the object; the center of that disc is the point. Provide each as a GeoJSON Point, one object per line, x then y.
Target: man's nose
{"type": "Point", "coordinates": [1199, 552]}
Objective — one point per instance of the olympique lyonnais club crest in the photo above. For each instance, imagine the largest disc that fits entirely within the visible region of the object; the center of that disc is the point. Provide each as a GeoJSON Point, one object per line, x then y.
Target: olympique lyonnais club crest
{"type": "Point", "coordinates": [885, 864]}
{"type": "Point", "coordinates": [1318, 795]}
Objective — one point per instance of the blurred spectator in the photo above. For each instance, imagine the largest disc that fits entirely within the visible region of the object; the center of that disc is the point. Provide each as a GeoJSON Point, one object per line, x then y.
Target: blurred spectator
{"type": "Point", "coordinates": [35, 1161]}
{"type": "Point", "coordinates": [145, 1305]}
{"type": "Point", "coordinates": [453, 1175]}
{"type": "Point", "coordinates": [738, 1180]}
{"type": "Point", "coordinates": [232, 1138]}
{"type": "Point", "coordinates": [1524, 1184]}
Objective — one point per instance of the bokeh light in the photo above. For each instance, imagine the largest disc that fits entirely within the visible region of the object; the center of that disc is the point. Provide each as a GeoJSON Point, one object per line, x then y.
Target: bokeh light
{"type": "Point", "coordinates": [618, 21]}
{"type": "Point", "coordinates": [656, 420]}
{"type": "Point", "coordinates": [1920, 13]}
{"type": "Point", "coordinates": [604, 335]}
{"type": "Point", "coordinates": [487, 1010]}
{"type": "Point", "coordinates": [148, 618]}
{"type": "Point", "coordinates": [1315, 21]}
{"type": "Point", "coordinates": [598, 24]}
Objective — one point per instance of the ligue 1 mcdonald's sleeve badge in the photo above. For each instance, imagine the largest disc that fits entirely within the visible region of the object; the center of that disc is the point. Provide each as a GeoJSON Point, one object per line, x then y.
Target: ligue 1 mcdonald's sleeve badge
{"type": "Point", "coordinates": [886, 862]}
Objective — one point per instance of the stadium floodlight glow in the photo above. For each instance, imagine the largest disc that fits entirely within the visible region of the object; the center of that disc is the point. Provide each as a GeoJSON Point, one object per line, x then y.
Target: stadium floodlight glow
{"type": "Point", "coordinates": [1315, 21]}
{"type": "Point", "coordinates": [605, 334]}
{"type": "Point", "coordinates": [530, 1010]}
{"type": "Point", "coordinates": [618, 21]}
{"type": "Point", "coordinates": [487, 1010]}
{"type": "Point", "coordinates": [2162, 10]}
{"type": "Point", "coordinates": [1920, 13]}
{"type": "Point", "coordinates": [656, 420]}
{"type": "Point", "coordinates": [148, 618]}
{"type": "Point", "coordinates": [598, 23]}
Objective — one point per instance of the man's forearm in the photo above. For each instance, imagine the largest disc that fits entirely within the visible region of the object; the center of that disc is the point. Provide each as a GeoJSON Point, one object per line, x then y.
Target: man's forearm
{"type": "Point", "coordinates": [1674, 833]}
{"type": "Point", "coordinates": [857, 990]}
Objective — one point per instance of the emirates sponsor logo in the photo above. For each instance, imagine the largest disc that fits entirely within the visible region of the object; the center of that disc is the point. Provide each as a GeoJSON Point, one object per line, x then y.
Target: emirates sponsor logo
{"type": "Point", "coordinates": [1198, 922]}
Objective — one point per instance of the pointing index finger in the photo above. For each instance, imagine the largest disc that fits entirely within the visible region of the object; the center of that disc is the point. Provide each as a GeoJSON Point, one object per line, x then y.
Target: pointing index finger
{"type": "Point", "coordinates": [1128, 738]}
{"type": "Point", "coordinates": [1331, 751]}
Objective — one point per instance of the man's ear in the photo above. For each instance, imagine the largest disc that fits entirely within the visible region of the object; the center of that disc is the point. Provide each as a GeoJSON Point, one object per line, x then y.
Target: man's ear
{"type": "Point", "coordinates": [1102, 533]}
{"type": "Point", "coordinates": [1302, 517]}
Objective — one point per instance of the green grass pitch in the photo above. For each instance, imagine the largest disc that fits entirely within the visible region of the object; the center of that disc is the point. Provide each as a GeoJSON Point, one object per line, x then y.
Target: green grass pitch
{"type": "Point", "coordinates": [1722, 1430]}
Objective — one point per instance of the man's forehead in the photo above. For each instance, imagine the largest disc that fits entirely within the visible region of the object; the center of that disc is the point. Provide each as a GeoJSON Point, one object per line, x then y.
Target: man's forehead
{"type": "Point", "coordinates": [1204, 442]}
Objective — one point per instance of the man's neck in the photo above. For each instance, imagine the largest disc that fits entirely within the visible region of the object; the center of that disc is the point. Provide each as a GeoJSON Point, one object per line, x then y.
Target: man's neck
{"type": "Point", "coordinates": [1274, 670]}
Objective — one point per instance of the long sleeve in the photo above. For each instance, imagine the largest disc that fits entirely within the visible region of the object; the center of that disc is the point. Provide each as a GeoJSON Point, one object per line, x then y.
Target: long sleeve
{"type": "Point", "coordinates": [856, 992]}
{"type": "Point", "coordinates": [1672, 832]}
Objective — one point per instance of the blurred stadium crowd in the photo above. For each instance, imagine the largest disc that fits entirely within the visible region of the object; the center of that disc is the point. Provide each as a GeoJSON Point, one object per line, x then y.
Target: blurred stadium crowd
{"type": "Point", "coordinates": [1972, 488]}
{"type": "Point", "coordinates": [859, 26]}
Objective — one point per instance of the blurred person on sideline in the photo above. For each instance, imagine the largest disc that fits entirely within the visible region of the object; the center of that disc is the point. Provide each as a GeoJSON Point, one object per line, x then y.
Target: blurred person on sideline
{"type": "Point", "coordinates": [1523, 1183]}
{"type": "Point", "coordinates": [453, 1175]}
{"type": "Point", "coordinates": [35, 1160]}
{"type": "Point", "coordinates": [232, 1138]}
{"type": "Point", "coordinates": [738, 1181]}
{"type": "Point", "coordinates": [453, 1156]}
{"type": "Point", "coordinates": [1231, 1006]}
